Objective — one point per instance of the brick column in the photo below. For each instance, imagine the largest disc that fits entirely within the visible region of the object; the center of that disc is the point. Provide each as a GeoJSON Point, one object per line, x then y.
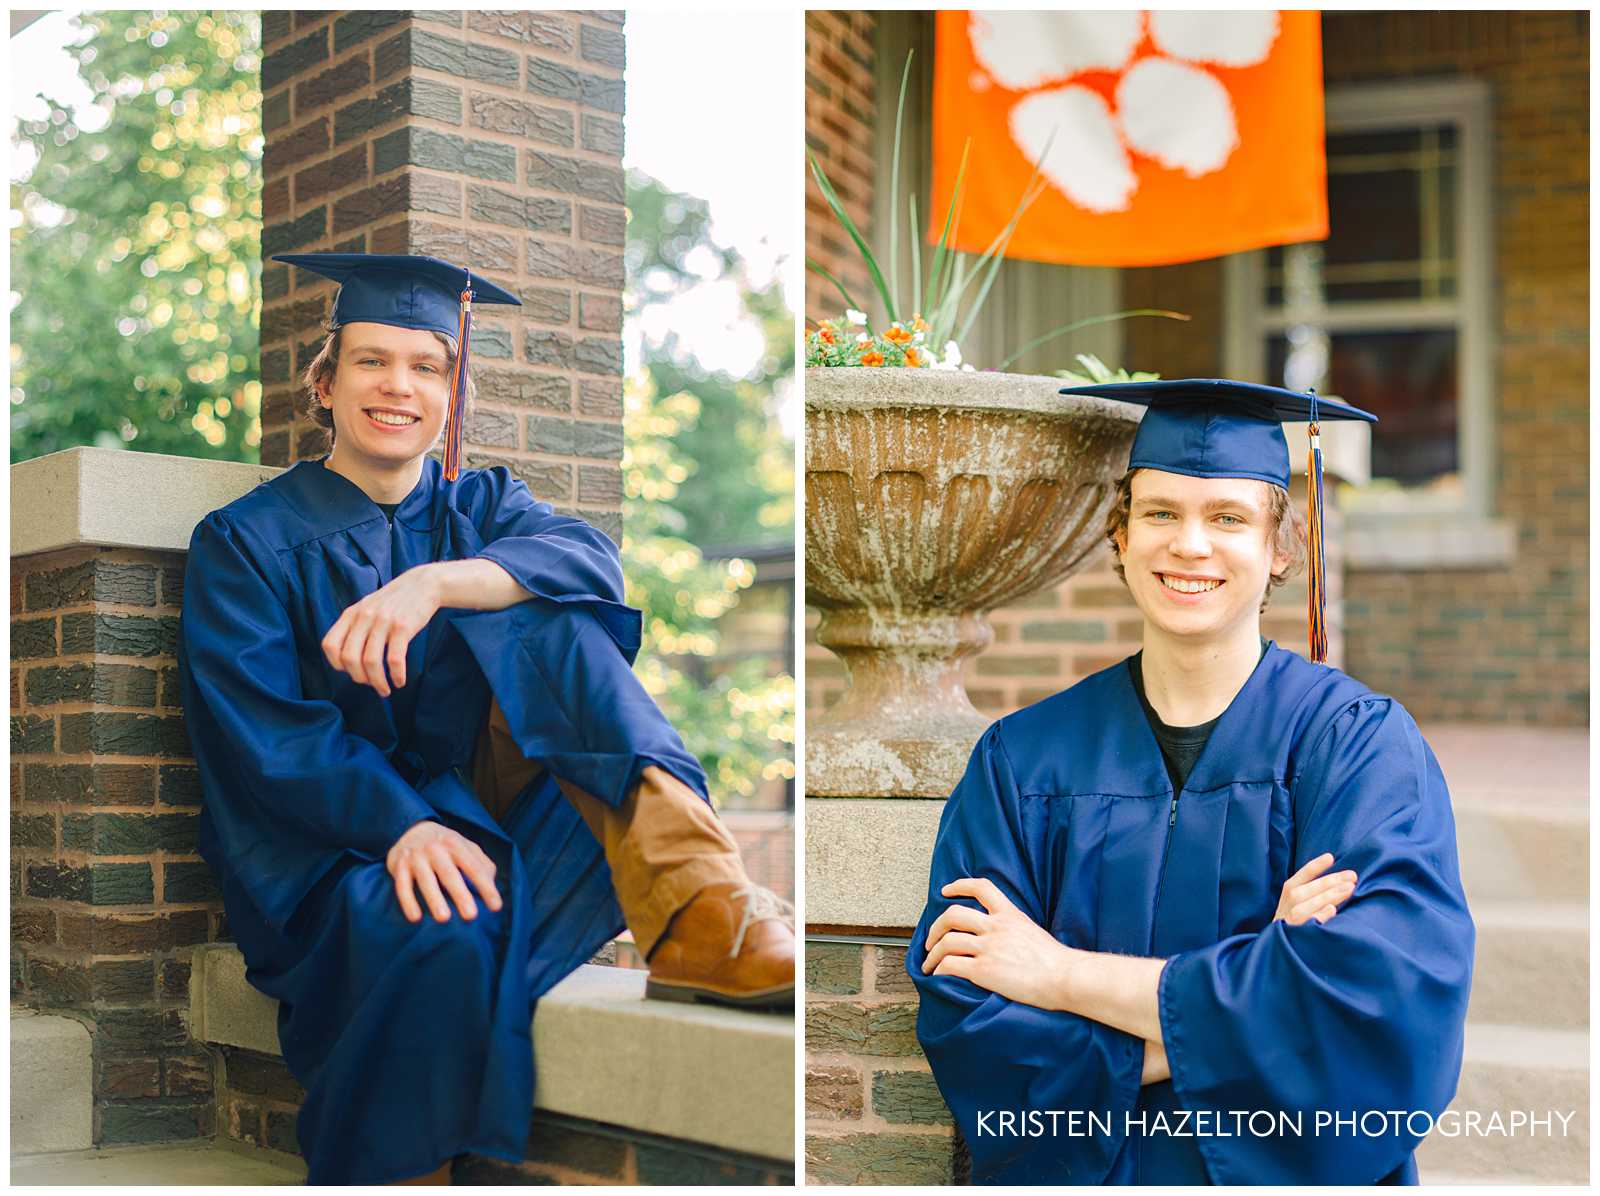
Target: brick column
{"type": "Point", "coordinates": [107, 893]}
{"type": "Point", "coordinates": [492, 139]}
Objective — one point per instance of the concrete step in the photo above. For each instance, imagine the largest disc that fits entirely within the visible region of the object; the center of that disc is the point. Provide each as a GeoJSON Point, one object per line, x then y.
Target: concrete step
{"type": "Point", "coordinates": [191, 1164]}
{"type": "Point", "coordinates": [1532, 966]}
{"type": "Point", "coordinates": [51, 1084]}
{"type": "Point", "coordinates": [1534, 767]}
{"type": "Point", "coordinates": [1511, 851]}
{"type": "Point", "coordinates": [1517, 1068]}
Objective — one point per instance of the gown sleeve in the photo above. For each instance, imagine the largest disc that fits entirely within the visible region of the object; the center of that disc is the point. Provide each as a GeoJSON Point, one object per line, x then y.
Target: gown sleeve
{"type": "Point", "coordinates": [1365, 1012]}
{"type": "Point", "coordinates": [552, 556]}
{"type": "Point", "coordinates": [286, 786]}
{"type": "Point", "coordinates": [988, 1052]}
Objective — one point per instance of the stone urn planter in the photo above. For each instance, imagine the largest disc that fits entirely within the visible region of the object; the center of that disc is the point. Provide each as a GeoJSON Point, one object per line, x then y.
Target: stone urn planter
{"type": "Point", "coordinates": [932, 497]}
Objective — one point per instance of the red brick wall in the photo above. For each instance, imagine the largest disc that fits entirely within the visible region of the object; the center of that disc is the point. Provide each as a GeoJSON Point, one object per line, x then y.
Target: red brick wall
{"type": "Point", "coordinates": [841, 102]}
{"type": "Point", "coordinates": [1503, 645]}
{"type": "Point", "coordinates": [873, 1112]}
{"type": "Point", "coordinates": [491, 139]}
{"type": "Point", "coordinates": [107, 892]}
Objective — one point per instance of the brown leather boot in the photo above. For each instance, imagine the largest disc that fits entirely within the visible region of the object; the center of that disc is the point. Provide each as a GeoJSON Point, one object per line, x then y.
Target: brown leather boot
{"type": "Point", "coordinates": [733, 944]}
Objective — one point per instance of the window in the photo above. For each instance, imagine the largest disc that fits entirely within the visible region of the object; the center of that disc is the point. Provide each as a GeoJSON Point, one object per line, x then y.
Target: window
{"type": "Point", "coordinates": [1393, 313]}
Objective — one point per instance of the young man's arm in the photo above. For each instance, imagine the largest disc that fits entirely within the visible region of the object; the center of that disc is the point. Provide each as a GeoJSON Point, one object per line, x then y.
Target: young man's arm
{"type": "Point", "coordinates": [380, 627]}
{"type": "Point", "coordinates": [268, 755]}
{"type": "Point", "coordinates": [1003, 950]}
{"type": "Point", "coordinates": [527, 551]}
{"type": "Point", "coordinates": [989, 1051]}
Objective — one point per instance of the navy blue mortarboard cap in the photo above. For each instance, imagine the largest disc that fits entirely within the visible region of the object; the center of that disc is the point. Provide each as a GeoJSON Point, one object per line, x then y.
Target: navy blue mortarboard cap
{"type": "Point", "coordinates": [404, 290]}
{"type": "Point", "coordinates": [1216, 428]}
{"type": "Point", "coordinates": [409, 291]}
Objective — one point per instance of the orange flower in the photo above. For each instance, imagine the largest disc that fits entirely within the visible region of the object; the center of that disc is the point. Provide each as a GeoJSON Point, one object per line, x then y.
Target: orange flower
{"type": "Point", "coordinates": [897, 335]}
{"type": "Point", "coordinates": [872, 358]}
{"type": "Point", "coordinates": [911, 357]}
{"type": "Point", "coordinates": [825, 335]}
{"type": "Point", "coordinates": [918, 324]}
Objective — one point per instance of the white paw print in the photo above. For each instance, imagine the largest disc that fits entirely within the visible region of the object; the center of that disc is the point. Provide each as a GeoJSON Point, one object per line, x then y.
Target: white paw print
{"type": "Point", "coordinates": [1168, 106]}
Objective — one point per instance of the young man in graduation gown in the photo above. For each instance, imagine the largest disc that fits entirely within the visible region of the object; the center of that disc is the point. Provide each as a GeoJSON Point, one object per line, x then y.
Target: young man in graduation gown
{"type": "Point", "coordinates": [433, 785]}
{"type": "Point", "coordinates": [1192, 918]}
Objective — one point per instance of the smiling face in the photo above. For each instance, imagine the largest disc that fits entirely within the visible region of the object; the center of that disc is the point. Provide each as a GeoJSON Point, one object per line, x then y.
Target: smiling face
{"type": "Point", "coordinates": [388, 396]}
{"type": "Point", "coordinates": [1197, 553]}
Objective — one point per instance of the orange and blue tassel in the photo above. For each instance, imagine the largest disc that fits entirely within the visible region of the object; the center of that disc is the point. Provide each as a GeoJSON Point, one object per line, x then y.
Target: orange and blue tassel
{"type": "Point", "coordinates": [1317, 596]}
{"type": "Point", "coordinates": [457, 413]}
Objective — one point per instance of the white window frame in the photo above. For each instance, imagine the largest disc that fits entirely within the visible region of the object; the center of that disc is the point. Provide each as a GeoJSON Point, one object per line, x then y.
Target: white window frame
{"type": "Point", "coordinates": [1410, 529]}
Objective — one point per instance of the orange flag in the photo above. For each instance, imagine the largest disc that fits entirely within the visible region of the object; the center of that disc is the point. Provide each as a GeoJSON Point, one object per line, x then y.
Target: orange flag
{"type": "Point", "coordinates": [1165, 136]}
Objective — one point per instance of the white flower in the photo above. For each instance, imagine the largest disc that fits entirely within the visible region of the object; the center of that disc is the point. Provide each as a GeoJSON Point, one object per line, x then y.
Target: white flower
{"type": "Point", "coordinates": [863, 339]}
{"type": "Point", "coordinates": [916, 338]}
{"type": "Point", "coordinates": [952, 358]}
{"type": "Point", "coordinates": [855, 317]}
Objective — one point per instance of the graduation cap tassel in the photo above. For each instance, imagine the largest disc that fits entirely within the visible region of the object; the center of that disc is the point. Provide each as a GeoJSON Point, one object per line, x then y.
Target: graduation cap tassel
{"type": "Point", "coordinates": [458, 389]}
{"type": "Point", "coordinates": [1316, 599]}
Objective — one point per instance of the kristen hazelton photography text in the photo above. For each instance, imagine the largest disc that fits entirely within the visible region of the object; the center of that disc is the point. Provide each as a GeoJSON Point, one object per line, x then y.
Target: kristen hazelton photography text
{"type": "Point", "coordinates": [1265, 1123]}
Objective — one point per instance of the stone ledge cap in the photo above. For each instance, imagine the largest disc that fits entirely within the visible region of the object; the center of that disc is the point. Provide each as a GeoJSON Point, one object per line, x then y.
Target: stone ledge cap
{"type": "Point", "coordinates": [605, 1054]}
{"type": "Point", "coordinates": [867, 860]}
{"type": "Point", "coordinates": [114, 498]}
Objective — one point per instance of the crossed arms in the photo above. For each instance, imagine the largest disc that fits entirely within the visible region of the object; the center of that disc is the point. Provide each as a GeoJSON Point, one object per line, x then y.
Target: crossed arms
{"type": "Point", "coordinates": [1004, 951]}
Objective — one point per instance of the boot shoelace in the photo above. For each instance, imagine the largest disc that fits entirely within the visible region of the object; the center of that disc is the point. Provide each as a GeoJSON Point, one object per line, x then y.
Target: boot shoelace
{"type": "Point", "coordinates": [760, 905]}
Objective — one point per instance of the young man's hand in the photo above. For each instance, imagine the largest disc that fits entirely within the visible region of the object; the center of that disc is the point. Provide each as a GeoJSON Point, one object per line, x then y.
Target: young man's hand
{"type": "Point", "coordinates": [378, 629]}
{"type": "Point", "coordinates": [1002, 949]}
{"type": "Point", "coordinates": [1305, 896]}
{"type": "Point", "coordinates": [432, 857]}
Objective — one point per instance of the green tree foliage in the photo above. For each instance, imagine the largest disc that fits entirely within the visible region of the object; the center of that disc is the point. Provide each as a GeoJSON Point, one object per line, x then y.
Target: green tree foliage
{"type": "Point", "coordinates": [736, 718]}
{"type": "Point", "coordinates": [705, 462]}
{"type": "Point", "coordinates": [135, 245]}
{"type": "Point", "coordinates": [739, 488]}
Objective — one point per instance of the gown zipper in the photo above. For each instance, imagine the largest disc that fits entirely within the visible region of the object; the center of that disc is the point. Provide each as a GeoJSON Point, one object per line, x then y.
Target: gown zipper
{"type": "Point", "coordinates": [1161, 879]}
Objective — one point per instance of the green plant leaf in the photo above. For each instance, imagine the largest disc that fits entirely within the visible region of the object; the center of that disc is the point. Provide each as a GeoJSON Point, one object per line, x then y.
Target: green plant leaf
{"type": "Point", "coordinates": [993, 257]}
{"type": "Point", "coordinates": [916, 252]}
{"type": "Point", "coordinates": [1031, 191]}
{"type": "Point", "coordinates": [816, 267]}
{"type": "Point", "coordinates": [894, 189]}
{"type": "Point", "coordinates": [843, 216]}
{"type": "Point", "coordinates": [942, 250]}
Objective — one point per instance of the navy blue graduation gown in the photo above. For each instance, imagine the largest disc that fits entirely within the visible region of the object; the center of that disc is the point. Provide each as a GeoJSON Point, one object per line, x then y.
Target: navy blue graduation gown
{"type": "Point", "coordinates": [413, 1040]}
{"type": "Point", "coordinates": [1067, 806]}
